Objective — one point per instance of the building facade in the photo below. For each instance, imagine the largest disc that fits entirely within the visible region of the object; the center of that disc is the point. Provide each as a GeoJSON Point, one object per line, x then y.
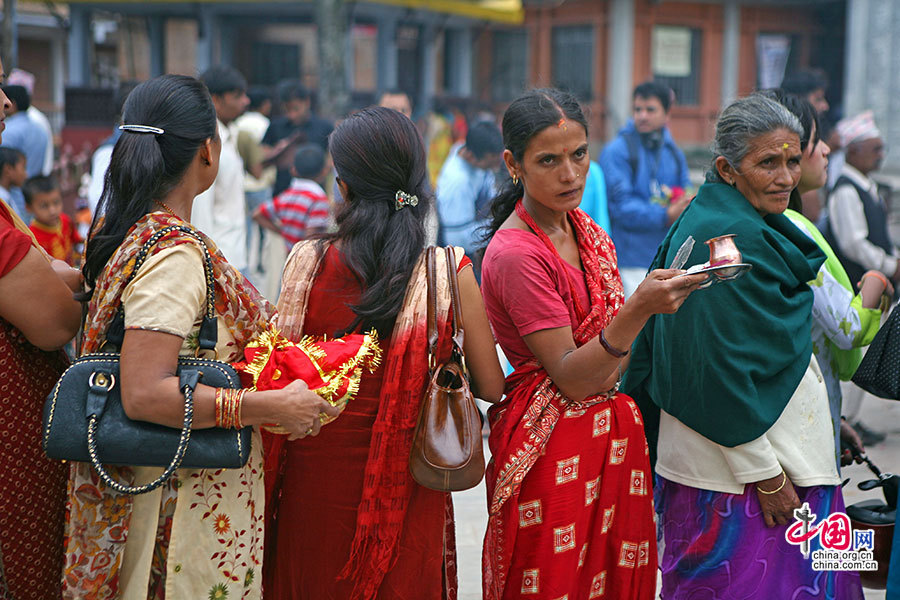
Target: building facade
{"type": "Point", "coordinates": [708, 52]}
{"type": "Point", "coordinates": [488, 51]}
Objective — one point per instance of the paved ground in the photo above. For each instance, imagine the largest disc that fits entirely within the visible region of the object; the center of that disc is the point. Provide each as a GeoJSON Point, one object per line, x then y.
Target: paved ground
{"type": "Point", "coordinates": [471, 514]}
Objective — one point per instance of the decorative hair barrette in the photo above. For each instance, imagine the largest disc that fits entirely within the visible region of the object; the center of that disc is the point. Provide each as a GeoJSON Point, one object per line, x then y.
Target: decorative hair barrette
{"type": "Point", "coordinates": [402, 199]}
{"type": "Point", "coordinates": [142, 129]}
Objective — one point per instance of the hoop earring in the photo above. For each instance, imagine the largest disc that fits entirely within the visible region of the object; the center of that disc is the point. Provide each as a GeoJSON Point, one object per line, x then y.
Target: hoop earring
{"type": "Point", "coordinates": [515, 180]}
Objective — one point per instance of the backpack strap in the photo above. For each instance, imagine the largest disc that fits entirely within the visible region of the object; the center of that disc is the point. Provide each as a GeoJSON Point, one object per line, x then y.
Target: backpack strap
{"type": "Point", "coordinates": [633, 144]}
{"type": "Point", "coordinates": [676, 158]}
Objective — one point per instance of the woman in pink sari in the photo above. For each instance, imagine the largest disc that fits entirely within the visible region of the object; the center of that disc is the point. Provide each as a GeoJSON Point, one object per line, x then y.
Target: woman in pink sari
{"type": "Point", "coordinates": [569, 485]}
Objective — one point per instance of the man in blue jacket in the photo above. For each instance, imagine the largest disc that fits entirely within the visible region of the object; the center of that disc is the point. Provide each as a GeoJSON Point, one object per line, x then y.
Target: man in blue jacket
{"type": "Point", "coordinates": [647, 181]}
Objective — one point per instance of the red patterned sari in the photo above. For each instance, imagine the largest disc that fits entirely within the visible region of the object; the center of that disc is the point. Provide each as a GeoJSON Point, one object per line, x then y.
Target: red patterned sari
{"type": "Point", "coordinates": [569, 485]}
{"type": "Point", "coordinates": [32, 487]}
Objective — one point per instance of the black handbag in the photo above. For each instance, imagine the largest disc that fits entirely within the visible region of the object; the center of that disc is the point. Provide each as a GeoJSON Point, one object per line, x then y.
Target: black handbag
{"type": "Point", "coordinates": [879, 371]}
{"type": "Point", "coordinates": [84, 420]}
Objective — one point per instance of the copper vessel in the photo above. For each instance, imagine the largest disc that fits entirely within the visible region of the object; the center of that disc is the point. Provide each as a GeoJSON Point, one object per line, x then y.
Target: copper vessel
{"type": "Point", "coordinates": [722, 250]}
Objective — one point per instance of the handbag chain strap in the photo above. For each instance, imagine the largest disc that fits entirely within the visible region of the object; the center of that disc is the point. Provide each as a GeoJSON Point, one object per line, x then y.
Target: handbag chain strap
{"type": "Point", "coordinates": [207, 261]}
{"type": "Point", "coordinates": [188, 383]}
{"type": "Point", "coordinates": [207, 341]}
{"type": "Point", "coordinates": [208, 335]}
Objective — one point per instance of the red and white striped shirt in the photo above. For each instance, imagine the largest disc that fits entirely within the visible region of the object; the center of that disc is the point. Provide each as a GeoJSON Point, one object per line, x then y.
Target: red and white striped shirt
{"type": "Point", "coordinates": [298, 211]}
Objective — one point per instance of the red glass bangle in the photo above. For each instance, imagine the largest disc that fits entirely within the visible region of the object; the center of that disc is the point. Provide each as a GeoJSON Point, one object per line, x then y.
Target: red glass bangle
{"type": "Point", "coordinates": [614, 351]}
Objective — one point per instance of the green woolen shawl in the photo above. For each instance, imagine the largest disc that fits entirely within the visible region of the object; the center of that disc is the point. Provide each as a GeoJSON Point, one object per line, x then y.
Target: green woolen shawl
{"type": "Point", "coordinates": [727, 363]}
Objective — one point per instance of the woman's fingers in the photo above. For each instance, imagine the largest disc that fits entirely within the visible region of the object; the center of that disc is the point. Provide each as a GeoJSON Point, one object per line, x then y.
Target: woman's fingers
{"type": "Point", "coordinates": [316, 427]}
{"type": "Point", "coordinates": [329, 409]}
{"type": "Point", "coordinates": [777, 507]}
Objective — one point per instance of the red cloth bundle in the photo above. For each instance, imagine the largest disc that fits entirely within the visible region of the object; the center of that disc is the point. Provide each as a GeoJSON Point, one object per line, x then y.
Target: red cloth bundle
{"type": "Point", "coordinates": [330, 367]}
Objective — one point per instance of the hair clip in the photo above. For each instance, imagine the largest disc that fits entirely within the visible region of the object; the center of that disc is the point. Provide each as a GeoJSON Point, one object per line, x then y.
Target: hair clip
{"type": "Point", "coordinates": [142, 129]}
{"type": "Point", "coordinates": [402, 199]}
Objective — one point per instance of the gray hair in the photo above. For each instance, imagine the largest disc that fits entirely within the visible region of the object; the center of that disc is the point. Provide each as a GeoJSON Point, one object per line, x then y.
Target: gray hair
{"type": "Point", "coordinates": [746, 119]}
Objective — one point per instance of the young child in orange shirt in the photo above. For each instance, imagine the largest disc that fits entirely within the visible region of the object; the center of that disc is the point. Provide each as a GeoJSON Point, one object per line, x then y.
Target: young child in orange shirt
{"type": "Point", "coordinates": [52, 228]}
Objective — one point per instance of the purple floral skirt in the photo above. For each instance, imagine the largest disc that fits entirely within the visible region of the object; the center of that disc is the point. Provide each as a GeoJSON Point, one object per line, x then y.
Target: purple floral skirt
{"type": "Point", "coordinates": [716, 546]}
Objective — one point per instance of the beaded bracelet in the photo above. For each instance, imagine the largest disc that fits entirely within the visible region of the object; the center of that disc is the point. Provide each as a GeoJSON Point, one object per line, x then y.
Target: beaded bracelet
{"type": "Point", "coordinates": [236, 414]}
{"type": "Point", "coordinates": [219, 393]}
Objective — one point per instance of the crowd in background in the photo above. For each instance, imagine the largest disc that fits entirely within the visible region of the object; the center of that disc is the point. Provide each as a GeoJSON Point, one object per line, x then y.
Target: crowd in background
{"type": "Point", "coordinates": [291, 205]}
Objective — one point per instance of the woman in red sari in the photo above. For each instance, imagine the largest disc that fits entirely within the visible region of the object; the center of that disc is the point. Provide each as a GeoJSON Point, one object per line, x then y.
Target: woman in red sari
{"type": "Point", "coordinates": [38, 315]}
{"type": "Point", "coordinates": [345, 518]}
{"type": "Point", "coordinates": [569, 484]}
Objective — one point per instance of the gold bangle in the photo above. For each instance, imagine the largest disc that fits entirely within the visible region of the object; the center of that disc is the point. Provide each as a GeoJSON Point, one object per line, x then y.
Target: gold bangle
{"type": "Point", "coordinates": [238, 421]}
{"type": "Point", "coordinates": [776, 490]}
{"type": "Point", "coordinates": [218, 407]}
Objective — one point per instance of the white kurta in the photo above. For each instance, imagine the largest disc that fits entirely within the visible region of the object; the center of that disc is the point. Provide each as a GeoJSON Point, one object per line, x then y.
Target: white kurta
{"type": "Point", "coordinates": [221, 212]}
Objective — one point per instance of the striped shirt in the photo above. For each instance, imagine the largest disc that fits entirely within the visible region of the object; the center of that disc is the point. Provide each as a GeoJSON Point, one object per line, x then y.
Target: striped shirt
{"type": "Point", "coordinates": [299, 211]}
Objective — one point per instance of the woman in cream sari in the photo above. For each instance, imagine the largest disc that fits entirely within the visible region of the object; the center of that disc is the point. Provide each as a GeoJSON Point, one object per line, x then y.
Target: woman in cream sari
{"type": "Point", "coordinates": [200, 535]}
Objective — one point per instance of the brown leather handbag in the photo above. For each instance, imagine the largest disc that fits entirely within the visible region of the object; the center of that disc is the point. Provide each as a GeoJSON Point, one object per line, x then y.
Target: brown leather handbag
{"type": "Point", "coordinates": [447, 453]}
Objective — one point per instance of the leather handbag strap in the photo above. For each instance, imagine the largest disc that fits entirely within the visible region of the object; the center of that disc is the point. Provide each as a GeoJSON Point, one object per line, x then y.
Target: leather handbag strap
{"type": "Point", "coordinates": [455, 304]}
{"type": "Point", "coordinates": [96, 402]}
{"type": "Point", "coordinates": [208, 335]}
{"type": "Point", "coordinates": [458, 338]}
{"type": "Point", "coordinates": [431, 315]}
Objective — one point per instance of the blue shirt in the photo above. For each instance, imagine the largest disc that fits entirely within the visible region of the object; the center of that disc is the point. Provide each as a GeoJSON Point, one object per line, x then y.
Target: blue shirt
{"type": "Point", "coordinates": [638, 224]}
{"type": "Point", "coordinates": [464, 196]}
{"type": "Point", "coordinates": [14, 198]}
{"type": "Point", "coordinates": [24, 134]}
{"type": "Point", "coordinates": [593, 201]}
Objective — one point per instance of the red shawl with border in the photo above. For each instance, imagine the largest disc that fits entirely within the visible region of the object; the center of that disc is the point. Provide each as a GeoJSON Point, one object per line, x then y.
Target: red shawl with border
{"type": "Point", "coordinates": [521, 425]}
{"type": "Point", "coordinates": [388, 483]}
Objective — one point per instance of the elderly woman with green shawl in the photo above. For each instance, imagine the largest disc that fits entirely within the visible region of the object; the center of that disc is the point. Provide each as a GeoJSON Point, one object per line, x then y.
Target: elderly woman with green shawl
{"type": "Point", "coordinates": [733, 399]}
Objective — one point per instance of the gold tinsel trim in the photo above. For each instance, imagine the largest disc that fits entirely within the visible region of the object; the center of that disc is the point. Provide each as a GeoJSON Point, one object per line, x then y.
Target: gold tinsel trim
{"type": "Point", "coordinates": [270, 340]}
{"type": "Point", "coordinates": [368, 356]}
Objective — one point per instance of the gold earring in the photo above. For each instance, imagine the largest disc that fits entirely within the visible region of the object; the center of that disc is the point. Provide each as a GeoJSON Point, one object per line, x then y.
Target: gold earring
{"type": "Point", "coordinates": [515, 179]}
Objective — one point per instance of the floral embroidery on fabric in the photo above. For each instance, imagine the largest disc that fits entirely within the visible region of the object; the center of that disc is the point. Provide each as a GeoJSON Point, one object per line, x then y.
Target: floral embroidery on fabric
{"type": "Point", "coordinates": [208, 494]}
{"type": "Point", "coordinates": [98, 519]}
{"type": "Point", "coordinates": [218, 591]}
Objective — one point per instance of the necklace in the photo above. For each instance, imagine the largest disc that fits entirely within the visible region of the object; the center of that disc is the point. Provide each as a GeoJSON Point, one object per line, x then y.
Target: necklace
{"type": "Point", "coordinates": [166, 208]}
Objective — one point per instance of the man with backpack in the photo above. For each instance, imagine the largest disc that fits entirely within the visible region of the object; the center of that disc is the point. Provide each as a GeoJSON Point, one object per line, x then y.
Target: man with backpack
{"type": "Point", "coordinates": [647, 180]}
